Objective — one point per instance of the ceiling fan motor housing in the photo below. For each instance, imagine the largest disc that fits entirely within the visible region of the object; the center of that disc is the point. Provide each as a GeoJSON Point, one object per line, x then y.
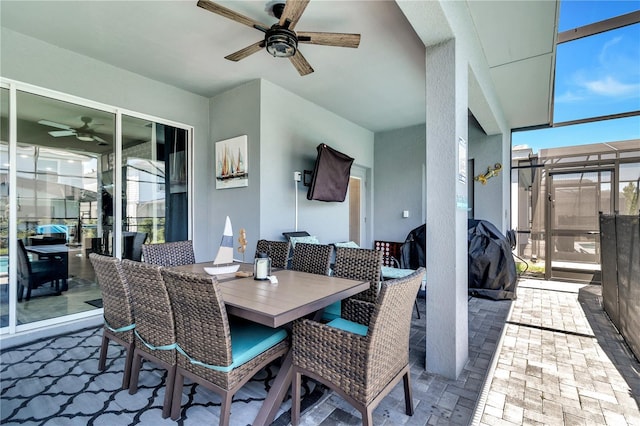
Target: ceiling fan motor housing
{"type": "Point", "coordinates": [281, 42]}
{"type": "Point", "coordinates": [277, 9]}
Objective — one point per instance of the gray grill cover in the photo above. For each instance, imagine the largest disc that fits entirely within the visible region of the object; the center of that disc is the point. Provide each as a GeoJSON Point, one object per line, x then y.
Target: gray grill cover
{"type": "Point", "coordinates": [492, 270]}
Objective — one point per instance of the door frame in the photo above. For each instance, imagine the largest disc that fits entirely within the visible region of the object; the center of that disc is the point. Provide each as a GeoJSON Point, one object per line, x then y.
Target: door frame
{"type": "Point", "coordinates": [551, 229]}
{"type": "Point", "coordinates": [363, 174]}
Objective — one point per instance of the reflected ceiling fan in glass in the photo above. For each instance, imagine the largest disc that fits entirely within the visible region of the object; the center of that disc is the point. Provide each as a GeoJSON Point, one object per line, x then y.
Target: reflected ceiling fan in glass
{"type": "Point", "coordinates": [84, 133]}
{"type": "Point", "coordinates": [280, 40]}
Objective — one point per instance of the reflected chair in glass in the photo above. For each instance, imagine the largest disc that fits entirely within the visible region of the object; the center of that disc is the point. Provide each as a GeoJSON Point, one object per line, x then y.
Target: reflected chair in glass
{"type": "Point", "coordinates": [213, 351]}
{"type": "Point", "coordinates": [312, 258]}
{"type": "Point", "coordinates": [155, 331]}
{"type": "Point", "coordinates": [132, 245]}
{"type": "Point", "coordinates": [364, 354]}
{"type": "Point", "coordinates": [278, 251]}
{"type": "Point", "coordinates": [169, 254]}
{"type": "Point", "coordinates": [34, 273]}
{"type": "Point", "coordinates": [118, 310]}
{"type": "Point", "coordinates": [360, 264]}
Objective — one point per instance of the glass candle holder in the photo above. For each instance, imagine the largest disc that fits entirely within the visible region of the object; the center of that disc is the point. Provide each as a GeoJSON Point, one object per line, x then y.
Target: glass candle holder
{"type": "Point", "coordinates": [262, 267]}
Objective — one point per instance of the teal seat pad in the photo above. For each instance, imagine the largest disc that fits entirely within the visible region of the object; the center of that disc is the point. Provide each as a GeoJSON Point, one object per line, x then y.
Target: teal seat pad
{"type": "Point", "coordinates": [332, 311]}
{"type": "Point", "coordinates": [249, 340]}
{"type": "Point", "coordinates": [350, 326]}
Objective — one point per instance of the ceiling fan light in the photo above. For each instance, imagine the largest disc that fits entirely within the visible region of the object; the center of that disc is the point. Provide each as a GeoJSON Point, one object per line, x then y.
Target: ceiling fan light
{"type": "Point", "coordinates": [281, 44]}
{"type": "Point", "coordinates": [84, 137]}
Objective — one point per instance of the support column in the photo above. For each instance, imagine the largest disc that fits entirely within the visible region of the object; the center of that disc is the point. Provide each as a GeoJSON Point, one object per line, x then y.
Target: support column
{"type": "Point", "coordinates": [446, 189]}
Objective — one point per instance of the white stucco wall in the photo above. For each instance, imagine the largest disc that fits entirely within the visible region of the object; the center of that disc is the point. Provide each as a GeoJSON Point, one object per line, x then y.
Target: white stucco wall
{"type": "Point", "coordinates": [458, 80]}
{"type": "Point", "coordinates": [283, 132]}
{"type": "Point", "coordinates": [32, 61]}
{"type": "Point", "coordinates": [291, 129]}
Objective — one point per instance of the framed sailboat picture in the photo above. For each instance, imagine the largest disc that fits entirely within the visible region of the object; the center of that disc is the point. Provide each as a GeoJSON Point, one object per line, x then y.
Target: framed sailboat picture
{"type": "Point", "coordinates": [232, 166]}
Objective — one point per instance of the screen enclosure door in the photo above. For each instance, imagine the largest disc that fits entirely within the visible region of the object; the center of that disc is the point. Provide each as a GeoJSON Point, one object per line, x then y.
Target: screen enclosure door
{"type": "Point", "coordinates": [573, 241]}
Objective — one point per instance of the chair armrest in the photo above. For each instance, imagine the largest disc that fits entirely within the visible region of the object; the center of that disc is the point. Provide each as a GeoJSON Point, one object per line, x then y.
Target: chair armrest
{"type": "Point", "coordinates": [357, 311]}
{"type": "Point", "coordinates": [330, 352]}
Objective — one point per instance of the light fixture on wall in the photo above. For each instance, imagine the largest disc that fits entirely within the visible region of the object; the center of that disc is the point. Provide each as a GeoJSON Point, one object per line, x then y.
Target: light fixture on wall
{"type": "Point", "coordinates": [491, 172]}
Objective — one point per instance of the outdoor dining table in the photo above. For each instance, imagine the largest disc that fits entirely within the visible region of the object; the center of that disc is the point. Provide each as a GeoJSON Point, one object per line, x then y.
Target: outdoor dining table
{"type": "Point", "coordinates": [295, 295]}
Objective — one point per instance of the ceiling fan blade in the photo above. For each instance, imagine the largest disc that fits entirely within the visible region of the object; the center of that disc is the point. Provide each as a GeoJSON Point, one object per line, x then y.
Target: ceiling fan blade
{"type": "Point", "coordinates": [53, 124]}
{"type": "Point", "coordinates": [58, 133]}
{"type": "Point", "coordinates": [230, 14]}
{"type": "Point", "coordinates": [301, 64]}
{"type": "Point", "coordinates": [292, 12]}
{"type": "Point", "coordinates": [99, 139]}
{"type": "Point", "coordinates": [243, 53]}
{"type": "Point", "coordinates": [329, 39]}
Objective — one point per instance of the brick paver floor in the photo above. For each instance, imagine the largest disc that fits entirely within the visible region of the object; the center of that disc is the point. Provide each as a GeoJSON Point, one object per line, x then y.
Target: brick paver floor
{"type": "Point", "coordinates": [561, 362]}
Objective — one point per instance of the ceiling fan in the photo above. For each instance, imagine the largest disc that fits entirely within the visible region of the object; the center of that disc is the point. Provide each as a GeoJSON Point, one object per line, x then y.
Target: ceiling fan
{"type": "Point", "coordinates": [280, 39]}
{"type": "Point", "coordinates": [84, 133]}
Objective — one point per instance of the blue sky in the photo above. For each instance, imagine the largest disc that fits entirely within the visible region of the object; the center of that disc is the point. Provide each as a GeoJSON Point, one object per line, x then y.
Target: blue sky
{"type": "Point", "coordinates": [597, 75]}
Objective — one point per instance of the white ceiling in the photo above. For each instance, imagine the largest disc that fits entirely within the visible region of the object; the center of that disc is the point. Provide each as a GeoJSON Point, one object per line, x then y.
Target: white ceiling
{"type": "Point", "coordinates": [380, 85]}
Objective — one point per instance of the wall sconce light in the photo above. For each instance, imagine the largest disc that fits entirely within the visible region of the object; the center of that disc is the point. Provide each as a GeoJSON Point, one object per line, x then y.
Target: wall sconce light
{"type": "Point", "coordinates": [491, 172]}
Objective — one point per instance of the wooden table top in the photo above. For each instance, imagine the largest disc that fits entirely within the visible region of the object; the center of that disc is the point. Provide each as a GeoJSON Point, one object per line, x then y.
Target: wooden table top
{"type": "Point", "coordinates": [296, 294]}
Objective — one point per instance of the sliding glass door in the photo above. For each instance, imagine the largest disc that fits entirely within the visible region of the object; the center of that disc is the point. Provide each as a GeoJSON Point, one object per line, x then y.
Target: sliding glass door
{"type": "Point", "coordinates": [154, 170]}
{"type": "Point", "coordinates": [60, 209]}
{"type": "Point", "coordinates": [77, 186]}
{"type": "Point", "coordinates": [4, 207]}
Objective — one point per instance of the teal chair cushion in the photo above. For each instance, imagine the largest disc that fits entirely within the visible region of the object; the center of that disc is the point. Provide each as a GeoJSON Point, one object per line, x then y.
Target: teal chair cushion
{"type": "Point", "coordinates": [249, 340]}
{"type": "Point", "coordinates": [332, 311]}
{"type": "Point", "coordinates": [350, 326]}
{"type": "Point", "coordinates": [392, 273]}
{"type": "Point", "coordinates": [348, 244]}
{"type": "Point", "coordinates": [309, 239]}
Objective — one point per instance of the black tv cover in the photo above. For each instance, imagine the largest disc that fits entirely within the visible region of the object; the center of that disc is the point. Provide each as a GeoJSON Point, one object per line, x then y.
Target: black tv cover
{"type": "Point", "coordinates": [330, 175]}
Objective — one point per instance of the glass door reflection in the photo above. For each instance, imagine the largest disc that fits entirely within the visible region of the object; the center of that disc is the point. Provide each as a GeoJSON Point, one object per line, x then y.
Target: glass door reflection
{"type": "Point", "coordinates": [4, 207]}
{"type": "Point", "coordinates": [154, 202]}
{"type": "Point", "coordinates": [63, 203]}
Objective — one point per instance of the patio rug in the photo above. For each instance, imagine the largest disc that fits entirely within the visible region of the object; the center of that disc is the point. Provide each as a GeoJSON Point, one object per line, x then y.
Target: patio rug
{"type": "Point", "coordinates": [56, 382]}
{"type": "Point", "coordinates": [95, 302]}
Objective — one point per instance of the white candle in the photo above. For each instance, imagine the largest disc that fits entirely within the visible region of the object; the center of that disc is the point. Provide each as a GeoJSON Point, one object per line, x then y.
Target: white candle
{"type": "Point", "coordinates": [261, 269]}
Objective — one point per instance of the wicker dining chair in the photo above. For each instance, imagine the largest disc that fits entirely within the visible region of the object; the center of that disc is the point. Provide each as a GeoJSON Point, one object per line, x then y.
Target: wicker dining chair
{"type": "Point", "coordinates": [155, 330]}
{"type": "Point", "coordinates": [278, 251]}
{"type": "Point", "coordinates": [312, 258]}
{"type": "Point", "coordinates": [364, 354]}
{"type": "Point", "coordinates": [175, 253]}
{"type": "Point", "coordinates": [212, 351]}
{"type": "Point", "coordinates": [118, 311]}
{"type": "Point", "coordinates": [360, 264]}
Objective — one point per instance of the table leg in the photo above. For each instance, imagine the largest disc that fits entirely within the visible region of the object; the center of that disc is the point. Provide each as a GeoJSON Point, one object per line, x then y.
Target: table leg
{"type": "Point", "coordinates": [276, 394]}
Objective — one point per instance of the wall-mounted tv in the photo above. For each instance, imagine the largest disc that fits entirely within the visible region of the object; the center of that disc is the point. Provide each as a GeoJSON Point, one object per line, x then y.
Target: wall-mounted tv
{"type": "Point", "coordinates": [330, 179]}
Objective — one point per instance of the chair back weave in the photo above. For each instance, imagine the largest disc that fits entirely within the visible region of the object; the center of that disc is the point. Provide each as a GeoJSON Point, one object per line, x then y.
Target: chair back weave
{"type": "Point", "coordinates": [389, 329]}
{"type": "Point", "coordinates": [169, 254]}
{"type": "Point", "coordinates": [360, 264]}
{"type": "Point", "coordinates": [152, 308]}
{"type": "Point", "coordinates": [202, 326]}
{"type": "Point", "coordinates": [278, 251]}
{"type": "Point", "coordinates": [116, 296]}
{"type": "Point", "coordinates": [312, 258]}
